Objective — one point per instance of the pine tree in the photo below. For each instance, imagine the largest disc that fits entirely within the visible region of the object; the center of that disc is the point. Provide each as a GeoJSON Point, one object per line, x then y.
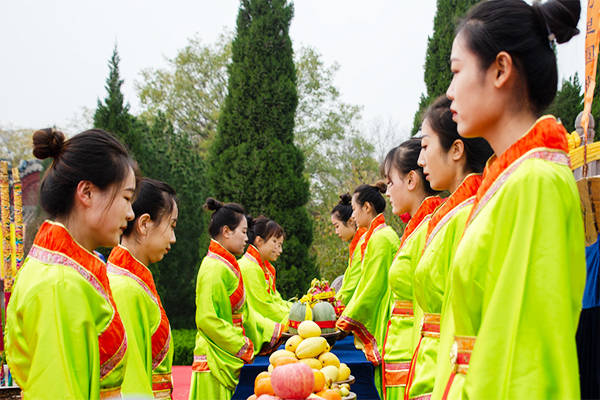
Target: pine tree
{"type": "Point", "coordinates": [439, 46]}
{"type": "Point", "coordinates": [568, 102]}
{"type": "Point", "coordinates": [253, 159]}
{"type": "Point", "coordinates": [113, 115]}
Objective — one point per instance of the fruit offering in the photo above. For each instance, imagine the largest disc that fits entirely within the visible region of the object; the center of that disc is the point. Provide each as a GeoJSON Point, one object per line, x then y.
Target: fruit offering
{"type": "Point", "coordinates": [305, 367]}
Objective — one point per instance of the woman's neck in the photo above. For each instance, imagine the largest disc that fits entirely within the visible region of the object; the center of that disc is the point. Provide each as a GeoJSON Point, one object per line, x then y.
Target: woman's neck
{"type": "Point", "coordinates": [78, 231]}
{"type": "Point", "coordinates": [509, 128]}
{"type": "Point", "coordinates": [135, 248]}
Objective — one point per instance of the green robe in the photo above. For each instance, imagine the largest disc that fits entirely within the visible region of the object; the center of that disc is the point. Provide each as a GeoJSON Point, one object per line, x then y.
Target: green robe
{"type": "Point", "coordinates": [59, 315]}
{"type": "Point", "coordinates": [227, 329]}
{"type": "Point", "coordinates": [518, 279]}
{"type": "Point", "coordinates": [352, 274]}
{"type": "Point", "coordinates": [400, 336]}
{"type": "Point", "coordinates": [261, 294]}
{"type": "Point", "coordinates": [367, 313]}
{"type": "Point", "coordinates": [444, 232]}
{"type": "Point", "coordinates": [147, 375]}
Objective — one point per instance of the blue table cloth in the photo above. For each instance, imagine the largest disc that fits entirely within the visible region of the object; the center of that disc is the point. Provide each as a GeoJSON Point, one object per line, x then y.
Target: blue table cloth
{"type": "Point", "coordinates": [360, 368]}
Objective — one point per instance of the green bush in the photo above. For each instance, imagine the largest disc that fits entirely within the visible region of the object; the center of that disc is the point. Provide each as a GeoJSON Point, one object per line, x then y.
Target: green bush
{"type": "Point", "coordinates": [184, 341]}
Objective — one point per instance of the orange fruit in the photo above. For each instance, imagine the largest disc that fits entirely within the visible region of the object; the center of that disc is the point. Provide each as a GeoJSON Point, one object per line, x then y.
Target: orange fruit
{"type": "Point", "coordinates": [263, 386]}
{"type": "Point", "coordinates": [283, 361]}
{"type": "Point", "coordinates": [329, 394]}
{"type": "Point", "coordinates": [319, 381]}
{"type": "Point", "coordinates": [263, 374]}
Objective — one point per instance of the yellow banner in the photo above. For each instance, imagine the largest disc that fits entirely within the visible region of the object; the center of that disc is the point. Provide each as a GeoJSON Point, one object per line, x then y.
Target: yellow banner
{"type": "Point", "coordinates": [591, 59]}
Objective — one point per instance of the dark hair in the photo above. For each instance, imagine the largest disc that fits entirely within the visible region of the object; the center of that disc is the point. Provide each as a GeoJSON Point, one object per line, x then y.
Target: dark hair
{"type": "Point", "coordinates": [93, 155]}
{"type": "Point", "coordinates": [373, 195]}
{"type": "Point", "coordinates": [154, 198]}
{"type": "Point", "coordinates": [343, 209]}
{"type": "Point", "coordinates": [404, 158]}
{"type": "Point", "coordinates": [524, 32]}
{"type": "Point", "coordinates": [230, 214]}
{"type": "Point", "coordinates": [263, 227]}
{"type": "Point", "coordinates": [439, 117]}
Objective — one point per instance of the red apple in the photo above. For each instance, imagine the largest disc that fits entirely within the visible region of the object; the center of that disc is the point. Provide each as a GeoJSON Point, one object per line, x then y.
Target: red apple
{"type": "Point", "coordinates": [293, 381]}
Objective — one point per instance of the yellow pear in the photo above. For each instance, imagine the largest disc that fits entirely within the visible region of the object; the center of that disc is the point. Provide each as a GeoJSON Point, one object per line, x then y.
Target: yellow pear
{"type": "Point", "coordinates": [292, 343]}
{"type": "Point", "coordinates": [329, 359]}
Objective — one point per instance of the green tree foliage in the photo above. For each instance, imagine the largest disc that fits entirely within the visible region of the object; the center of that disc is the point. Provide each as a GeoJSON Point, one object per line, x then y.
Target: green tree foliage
{"type": "Point", "coordinates": [170, 156]}
{"type": "Point", "coordinates": [191, 89]}
{"type": "Point", "coordinates": [113, 114]}
{"type": "Point", "coordinates": [253, 159]}
{"type": "Point", "coordinates": [439, 47]}
{"type": "Point", "coordinates": [15, 145]}
{"type": "Point", "coordinates": [568, 102]}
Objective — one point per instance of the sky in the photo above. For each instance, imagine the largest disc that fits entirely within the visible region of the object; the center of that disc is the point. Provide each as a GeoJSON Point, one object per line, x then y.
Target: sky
{"type": "Point", "coordinates": [56, 51]}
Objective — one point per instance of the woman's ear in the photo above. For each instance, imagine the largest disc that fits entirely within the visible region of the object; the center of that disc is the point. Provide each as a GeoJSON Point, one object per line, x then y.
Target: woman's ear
{"type": "Point", "coordinates": [142, 224]}
{"type": "Point", "coordinates": [411, 180]}
{"type": "Point", "coordinates": [457, 151]}
{"type": "Point", "coordinates": [258, 241]}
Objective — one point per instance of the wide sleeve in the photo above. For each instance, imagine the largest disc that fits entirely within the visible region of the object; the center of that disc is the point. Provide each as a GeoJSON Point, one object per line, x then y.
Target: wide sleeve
{"type": "Point", "coordinates": [140, 316]}
{"type": "Point", "coordinates": [52, 336]}
{"type": "Point", "coordinates": [258, 296]}
{"type": "Point", "coordinates": [262, 331]}
{"type": "Point", "coordinates": [531, 285]}
{"type": "Point", "coordinates": [213, 312]}
{"type": "Point", "coordinates": [351, 277]}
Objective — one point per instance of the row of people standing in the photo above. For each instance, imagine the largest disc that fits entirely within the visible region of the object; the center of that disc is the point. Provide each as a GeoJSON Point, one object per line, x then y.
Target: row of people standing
{"type": "Point", "coordinates": [77, 327]}
{"type": "Point", "coordinates": [82, 328]}
{"type": "Point", "coordinates": [481, 296]}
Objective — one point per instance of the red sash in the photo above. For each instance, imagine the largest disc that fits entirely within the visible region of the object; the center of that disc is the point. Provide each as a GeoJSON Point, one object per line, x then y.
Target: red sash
{"type": "Point", "coordinates": [457, 200]}
{"type": "Point", "coordinates": [218, 252]}
{"type": "Point", "coordinates": [122, 262]}
{"type": "Point", "coordinates": [269, 271]}
{"type": "Point", "coordinates": [53, 244]}
{"type": "Point", "coordinates": [377, 223]}
{"type": "Point", "coordinates": [427, 207]}
{"type": "Point", "coordinates": [545, 140]}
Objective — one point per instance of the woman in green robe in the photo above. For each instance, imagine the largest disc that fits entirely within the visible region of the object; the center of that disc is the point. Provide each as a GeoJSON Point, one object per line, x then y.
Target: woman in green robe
{"type": "Point", "coordinates": [409, 192]}
{"type": "Point", "coordinates": [519, 272]}
{"type": "Point", "coordinates": [346, 229]}
{"type": "Point", "coordinates": [64, 337]}
{"type": "Point", "coordinates": [145, 241]}
{"type": "Point", "coordinates": [367, 312]}
{"type": "Point", "coordinates": [454, 164]}
{"type": "Point", "coordinates": [228, 331]}
{"type": "Point", "coordinates": [265, 241]}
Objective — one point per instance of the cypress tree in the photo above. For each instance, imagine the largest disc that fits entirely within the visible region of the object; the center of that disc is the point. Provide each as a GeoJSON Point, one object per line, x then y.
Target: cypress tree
{"type": "Point", "coordinates": [568, 102]}
{"type": "Point", "coordinates": [439, 46]}
{"type": "Point", "coordinates": [113, 114]}
{"type": "Point", "coordinates": [253, 159]}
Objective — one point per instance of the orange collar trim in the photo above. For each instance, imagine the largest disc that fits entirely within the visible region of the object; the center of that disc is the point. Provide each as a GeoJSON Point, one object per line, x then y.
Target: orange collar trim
{"type": "Point", "coordinates": [254, 255]}
{"type": "Point", "coordinates": [352, 246]}
{"type": "Point", "coordinates": [122, 262]}
{"type": "Point", "coordinates": [428, 206]}
{"type": "Point", "coordinates": [465, 190]}
{"type": "Point", "coordinates": [377, 223]}
{"type": "Point", "coordinates": [53, 244]}
{"type": "Point", "coordinates": [545, 139]}
{"type": "Point", "coordinates": [218, 252]}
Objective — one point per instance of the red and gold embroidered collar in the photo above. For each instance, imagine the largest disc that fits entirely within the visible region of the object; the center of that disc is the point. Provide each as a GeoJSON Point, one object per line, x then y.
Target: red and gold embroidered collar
{"type": "Point", "coordinates": [122, 262]}
{"type": "Point", "coordinates": [268, 269]}
{"type": "Point", "coordinates": [467, 189]}
{"type": "Point", "coordinates": [217, 251]}
{"type": "Point", "coordinates": [427, 207]}
{"type": "Point", "coordinates": [352, 246]}
{"type": "Point", "coordinates": [377, 223]}
{"type": "Point", "coordinates": [54, 244]}
{"type": "Point", "coordinates": [545, 139]}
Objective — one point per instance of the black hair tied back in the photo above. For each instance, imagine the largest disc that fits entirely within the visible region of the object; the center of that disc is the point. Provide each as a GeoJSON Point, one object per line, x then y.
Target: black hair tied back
{"type": "Point", "coordinates": [224, 214]}
{"type": "Point", "coordinates": [343, 209]}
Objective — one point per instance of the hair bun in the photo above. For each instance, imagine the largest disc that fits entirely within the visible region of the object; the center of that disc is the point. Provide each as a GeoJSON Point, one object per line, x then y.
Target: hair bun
{"type": "Point", "coordinates": [47, 143]}
{"type": "Point", "coordinates": [381, 186]}
{"type": "Point", "coordinates": [212, 204]}
{"type": "Point", "coordinates": [346, 199]}
{"type": "Point", "coordinates": [560, 17]}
